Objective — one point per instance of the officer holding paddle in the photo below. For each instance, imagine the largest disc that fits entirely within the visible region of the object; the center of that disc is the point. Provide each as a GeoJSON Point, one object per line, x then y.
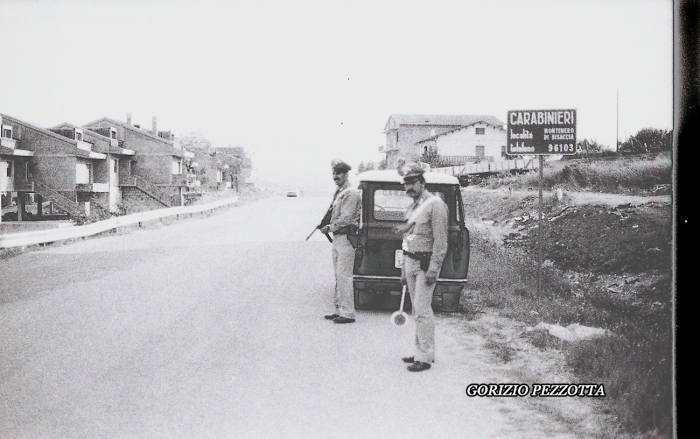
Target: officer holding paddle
{"type": "Point", "coordinates": [424, 249]}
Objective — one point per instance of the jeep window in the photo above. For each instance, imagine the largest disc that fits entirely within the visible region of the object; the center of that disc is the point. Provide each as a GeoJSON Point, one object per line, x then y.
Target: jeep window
{"type": "Point", "coordinates": [391, 205]}
{"type": "Point", "coordinates": [459, 213]}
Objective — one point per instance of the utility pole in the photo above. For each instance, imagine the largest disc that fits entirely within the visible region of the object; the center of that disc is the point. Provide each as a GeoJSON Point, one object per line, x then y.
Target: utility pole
{"type": "Point", "coordinates": [617, 130]}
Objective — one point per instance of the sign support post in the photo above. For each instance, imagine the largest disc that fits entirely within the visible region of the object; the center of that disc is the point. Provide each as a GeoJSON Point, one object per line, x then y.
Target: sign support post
{"type": "Point", "coordinates": [541, 133]}
{"type": "Point", "coordinates": [540, 229]}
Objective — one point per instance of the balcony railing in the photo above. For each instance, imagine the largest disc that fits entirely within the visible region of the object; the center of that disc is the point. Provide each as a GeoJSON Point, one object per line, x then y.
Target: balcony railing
{"type": "Point", "coordinates": [459, 160]}
{"type": "Point", "coordinates": [24, 185]}
{"type": "Point", "coordinates": [7, 142]}
{"type": "Point", "coordinates": [179, 180]}
{"type": "Point", "coordinates": [92, 187]}
{"type": "Point", "coordinates": [85, 146]}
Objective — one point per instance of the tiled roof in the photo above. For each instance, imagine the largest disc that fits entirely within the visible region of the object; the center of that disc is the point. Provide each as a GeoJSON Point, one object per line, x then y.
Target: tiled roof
{"type": "Point", "coordinates": [457, 129]}
{"type": "Point", "coordinates": [444, 119]}
{"type": "Point", "coordinates": [176, 152]}
{"type": "Point", "coordinates": [110, 149]}
{"type": "Point", "coordinates": [132, 128]}
{"type": "Point", "coordinates": [13, 152]}
{"type": "Point", "coordinates": [41, 130]}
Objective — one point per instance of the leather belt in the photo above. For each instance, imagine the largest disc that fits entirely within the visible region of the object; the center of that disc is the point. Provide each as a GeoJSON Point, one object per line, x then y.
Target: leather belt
{"type": "Point", "coordinates": [418, 255]}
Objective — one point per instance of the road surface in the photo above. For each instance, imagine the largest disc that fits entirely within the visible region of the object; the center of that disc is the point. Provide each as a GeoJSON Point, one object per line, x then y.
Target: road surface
{"type": "Point", "coordinates": [213, 327]}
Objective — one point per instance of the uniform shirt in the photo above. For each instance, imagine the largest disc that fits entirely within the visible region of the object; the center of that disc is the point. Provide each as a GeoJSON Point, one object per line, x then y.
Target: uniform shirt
{"type": "Point", "coordinates": [346, 208]}
{"type": "Point", "coordinates": [429, 233]}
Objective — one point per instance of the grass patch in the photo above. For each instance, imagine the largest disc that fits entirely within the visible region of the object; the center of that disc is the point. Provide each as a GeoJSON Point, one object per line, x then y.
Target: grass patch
{"type": "Point", "coordinates": [502, 350]}
{"type": "Point", "coordinates": [634, 364]}
{"type": "Point", "coordinates": [638, 174]}
{"type": "Point", "coordinates": [507, 279]}
{"type": "Point", "coordinates": [636, 371]}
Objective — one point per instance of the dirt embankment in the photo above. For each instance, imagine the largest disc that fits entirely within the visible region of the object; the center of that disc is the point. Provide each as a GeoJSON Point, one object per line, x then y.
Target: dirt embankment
{"type": "Point", "coordinates": [609, 262]}
{"type": "Point", "coordinates": [604, 235]}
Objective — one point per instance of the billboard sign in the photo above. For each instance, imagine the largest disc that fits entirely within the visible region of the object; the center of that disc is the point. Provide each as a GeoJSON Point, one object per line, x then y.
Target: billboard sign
{"type": "Point", "coordinates": [541, 132]}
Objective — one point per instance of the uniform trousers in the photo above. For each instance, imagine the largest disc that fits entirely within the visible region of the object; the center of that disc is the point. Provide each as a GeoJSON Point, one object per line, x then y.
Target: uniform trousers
{"type": "Point", "coordinates": [421, 298]}
{"type": "Point", "coordinates": [343, 263]}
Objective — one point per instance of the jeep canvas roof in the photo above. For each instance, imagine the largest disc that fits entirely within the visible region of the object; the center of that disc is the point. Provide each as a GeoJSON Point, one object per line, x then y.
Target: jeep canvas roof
{"type": "Point", "coordinates": [393, 176]}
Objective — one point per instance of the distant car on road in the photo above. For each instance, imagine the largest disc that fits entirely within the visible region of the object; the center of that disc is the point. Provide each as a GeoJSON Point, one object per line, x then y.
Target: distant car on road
{"type": "Point", "coordinates": [294, 193]}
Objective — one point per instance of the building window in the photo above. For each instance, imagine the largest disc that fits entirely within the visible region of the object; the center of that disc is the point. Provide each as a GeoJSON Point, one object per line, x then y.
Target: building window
{"type": "Point", "coordinates": [9, 168]}
{"type": "Point", "coordinates": [503, 151]}
{"type": "Point", "coordinates": [481, 131]}
{"type": "Point", "coordinates": [83, 173]}
{"type": "Point", "coordinates": [112, 133]}
{"type": "Point", "coordinates": [7, 131]}
{"type": "Point", "coordinates": [78, 135]}
{"type": "Point", "coordinates": [480, 151]}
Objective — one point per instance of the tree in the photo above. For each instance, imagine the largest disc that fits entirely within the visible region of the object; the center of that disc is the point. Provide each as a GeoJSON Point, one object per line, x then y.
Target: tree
{"type": "Point", "coordinates": [586, 148]}
{"type": "Point", "coordinates": [431, 157]}
{"type": "Point", "coordinates": [648, 139]}
{"type": "Point", "coordinates": [195, 141]}
{"type": "Point", "coordinates": [232, 161]}
{"type": "Point", "coordinates": [362, 167]}
{"type": "Point", "coordinates": [668, 141]}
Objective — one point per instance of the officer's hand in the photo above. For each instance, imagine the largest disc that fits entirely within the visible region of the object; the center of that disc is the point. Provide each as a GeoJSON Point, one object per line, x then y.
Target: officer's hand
{"type": "Point", "coordinates": [325, 229]}
{"type": "Point", "coordinates": [401, 229]}
{"type": "Point", "coordinates": [403, 280]}
{"type": "Point", "coordinates": [430, 277]}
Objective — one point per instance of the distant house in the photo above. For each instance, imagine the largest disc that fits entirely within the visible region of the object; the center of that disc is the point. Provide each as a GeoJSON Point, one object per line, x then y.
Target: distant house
{"type": "Point", "coordinates": [59, 169]}
{"type": "Point", "coordinates": [104, 184]}
{"type": "Point", "coordinates": [157, 176]}
{"type": "Point", "coordinates": [208, 170]}
{"type": "Point", "coordinates": [476, 142]}
{"type": "Point", "coordinates": [237, 166]}
{"type": "Point", "coordinates": [12, 157]}
{"type": "Point", "coordinates": [405, 132]}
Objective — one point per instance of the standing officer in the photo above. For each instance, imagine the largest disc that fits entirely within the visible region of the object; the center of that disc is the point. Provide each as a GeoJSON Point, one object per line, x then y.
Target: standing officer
{"type": "Point", "coordinates": [424, 248]}
{"type": "Point", "coordinates": [345, 217]}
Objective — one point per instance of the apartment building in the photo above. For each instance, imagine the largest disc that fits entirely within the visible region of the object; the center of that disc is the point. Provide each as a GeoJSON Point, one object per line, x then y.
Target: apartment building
{"type": "Point", "coordinates": [405, 132]}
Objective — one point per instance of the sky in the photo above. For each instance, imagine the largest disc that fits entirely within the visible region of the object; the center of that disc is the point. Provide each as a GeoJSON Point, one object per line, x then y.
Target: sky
{"type": "Point", "coordinates": [298, 83]}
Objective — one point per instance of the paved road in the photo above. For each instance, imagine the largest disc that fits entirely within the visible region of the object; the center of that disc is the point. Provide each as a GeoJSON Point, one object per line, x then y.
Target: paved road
{"type": "Point", "coordinates": [213, 328]}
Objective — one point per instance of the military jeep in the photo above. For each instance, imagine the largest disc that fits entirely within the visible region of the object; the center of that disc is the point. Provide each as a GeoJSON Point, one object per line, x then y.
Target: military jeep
{"type": "Point", "coordinates": [377, 273]}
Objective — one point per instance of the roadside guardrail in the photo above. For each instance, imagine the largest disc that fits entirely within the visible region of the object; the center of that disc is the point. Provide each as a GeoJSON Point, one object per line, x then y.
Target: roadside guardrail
{"type": "Point", "coordinates": [22, 239]}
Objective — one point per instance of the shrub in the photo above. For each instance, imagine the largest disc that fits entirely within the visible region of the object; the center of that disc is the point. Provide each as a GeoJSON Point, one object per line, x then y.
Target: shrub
{"type": "Point", "coordinates": [635, 367]}
{"type": "Point", "coordinates": [620, 175]}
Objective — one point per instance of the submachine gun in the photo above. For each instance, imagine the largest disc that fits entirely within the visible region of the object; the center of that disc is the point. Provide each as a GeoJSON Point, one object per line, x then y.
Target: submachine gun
{"type": "Point", "coordinates": [324, 222]}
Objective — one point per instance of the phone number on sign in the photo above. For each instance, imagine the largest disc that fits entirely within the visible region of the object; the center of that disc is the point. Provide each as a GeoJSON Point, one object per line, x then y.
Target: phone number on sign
{"type": "Point", "coordinates": [563, 147]}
